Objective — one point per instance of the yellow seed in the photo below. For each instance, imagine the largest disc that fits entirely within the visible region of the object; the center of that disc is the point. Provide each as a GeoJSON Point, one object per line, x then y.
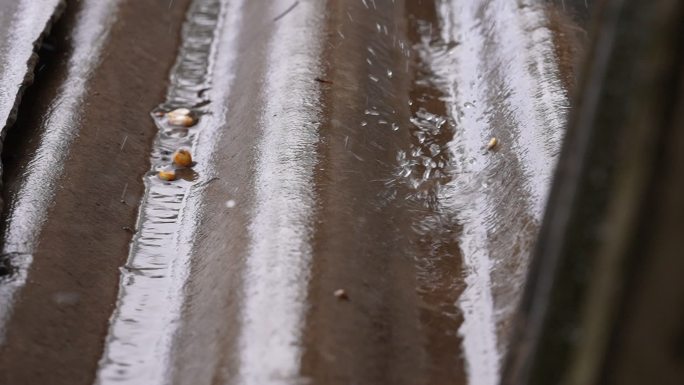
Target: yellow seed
{"type": "Point", "coordinates": [181, 117]}
{"type": "Point", "coordinates": [181, 111]}
{"type": "Point", "coordinates": [182, 121]}
{"type": "Point", "coordinates": [182, 158]}
{"type": "Point", "coordinates": [167, 175]}
{"type": "Point", "coordinates": [493, 142]}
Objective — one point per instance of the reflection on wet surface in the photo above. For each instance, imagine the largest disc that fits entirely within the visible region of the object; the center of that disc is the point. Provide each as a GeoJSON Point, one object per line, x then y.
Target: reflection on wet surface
{"type": "Point", "coordinates": [21, 25]}
{"type": "Point", "coordinates": [277, 270]}
{"type": "Point", "coordinates": [503, 82]}
{"type": "Point", "coordinates": [339, 147]}
{"type": "Point", "coordinates": [463, 218]}
{"type": "Point", "coordinates": [26, 212]}
{"type": "Point", "coordinates": [143, 323]}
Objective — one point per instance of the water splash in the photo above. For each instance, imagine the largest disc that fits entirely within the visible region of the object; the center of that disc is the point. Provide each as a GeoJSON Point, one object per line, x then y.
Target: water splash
{"type": "Point", "coordinates": [502, 82]}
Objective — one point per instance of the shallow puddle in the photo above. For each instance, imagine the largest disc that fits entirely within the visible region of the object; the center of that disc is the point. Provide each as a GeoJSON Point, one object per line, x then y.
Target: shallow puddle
{"type": "Point", "coordinates": [150, 295]}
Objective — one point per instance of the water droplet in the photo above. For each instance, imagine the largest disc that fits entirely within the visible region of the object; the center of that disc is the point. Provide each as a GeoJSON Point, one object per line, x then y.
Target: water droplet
{"type": "Point", "coordinates": [230, 204]}
{"type": "Point", "coordinates": [435, 149]}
